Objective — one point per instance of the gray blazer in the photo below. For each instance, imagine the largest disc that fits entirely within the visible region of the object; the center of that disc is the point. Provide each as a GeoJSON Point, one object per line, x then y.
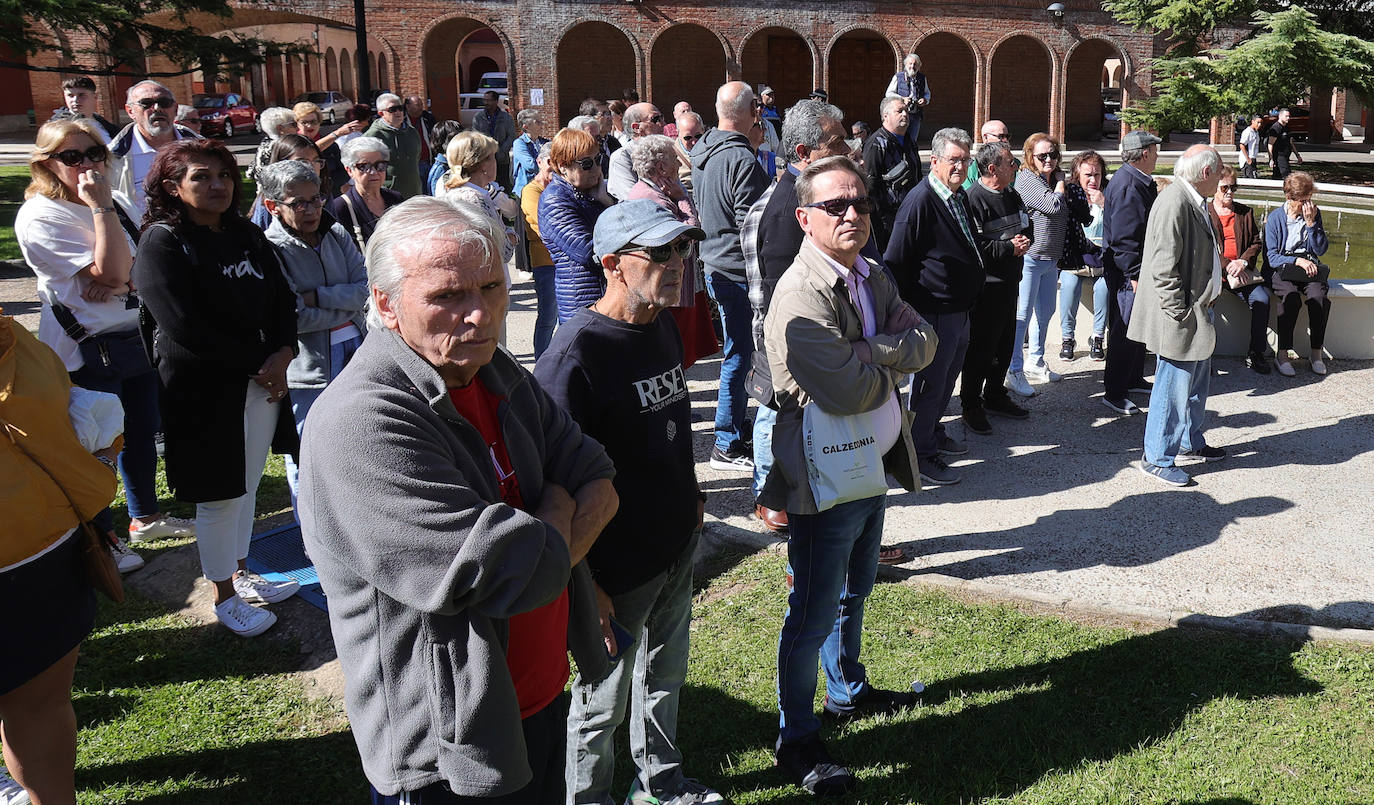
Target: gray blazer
{"type": "Point", "coordinates": [1170, 316]}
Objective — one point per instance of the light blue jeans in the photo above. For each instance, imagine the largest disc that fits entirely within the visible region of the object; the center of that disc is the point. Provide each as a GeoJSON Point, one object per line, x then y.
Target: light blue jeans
{"type": "Point", "coordinates": [1035, 297]}
{"type": "Point", "coordinates": [647, 682]}
{"type": "Point", "coordinates": [764, 419]}
{"type": "Point", "coordinates": [302, 398]}
{"type": "Point", "coordinates": [1178, 405]}
{"type": "Point", "coordinates": [1070, 285]}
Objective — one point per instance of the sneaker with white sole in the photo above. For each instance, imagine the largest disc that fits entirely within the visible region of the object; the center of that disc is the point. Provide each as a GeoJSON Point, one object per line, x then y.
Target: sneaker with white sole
{"type": "Point", "coordinates": [1043, 374]}
{"type": "Point", "coordinates": [1016, 382]}
{"type": "Point", "coordinates": [1173, 476]}
{"type": "Point", "coordinates": [736, 459]}
{"type": "Point", "coordinates": [12, 793]}
{"type": "Point", "coordinates": [1121, 406]}
{"type": "Point", "coordinates": [165, 527]}
{"type": "Point", "coordinates": [255, 588]}
{"type": "Point", "coordinates": [242, 618]}
{"type": "Point", "coordinates": [125, 559]}
{"type": "Point", "coordinates": [691, 793]}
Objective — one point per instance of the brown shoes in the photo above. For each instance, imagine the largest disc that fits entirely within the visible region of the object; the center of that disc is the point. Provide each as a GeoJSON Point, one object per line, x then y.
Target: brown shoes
{"type": "Point", "coordinates": [775, 521]}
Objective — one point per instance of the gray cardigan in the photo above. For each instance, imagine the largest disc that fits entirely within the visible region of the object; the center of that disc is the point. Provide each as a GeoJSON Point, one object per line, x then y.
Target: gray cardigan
{"type": "Point", "coordinates": [424, 564]}
{"type": "Point", "coordinates": [338, 276]}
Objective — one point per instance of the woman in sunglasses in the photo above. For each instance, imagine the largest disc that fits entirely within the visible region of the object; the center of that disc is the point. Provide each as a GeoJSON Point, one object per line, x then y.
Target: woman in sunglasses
{"type": "Point", "coordinates": [223, 331]}
{"type": "Point", "coordinates": [568, 208]}
{"type": "Point", "coordinates": [1238, 238]}
{"type": "Point", "coordinates": [79, 236]}
{"type": "Point", "coordinates": [1040, 184]}
{"type": "Point", "coordinates": [366, 160]}
{"type": "Point", "coordinates": [327, 273]}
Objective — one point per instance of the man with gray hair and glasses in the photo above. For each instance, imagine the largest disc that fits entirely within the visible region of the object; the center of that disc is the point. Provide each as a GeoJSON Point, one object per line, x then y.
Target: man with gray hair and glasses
{"type": "Point", "coordinates": [152, 109]}
{"type": "Point", "coordinates": [449, 535]}
{"type": "Point", "coordinates": [641, 120]}
{"type": "Point", "coordinates": [403, 143]}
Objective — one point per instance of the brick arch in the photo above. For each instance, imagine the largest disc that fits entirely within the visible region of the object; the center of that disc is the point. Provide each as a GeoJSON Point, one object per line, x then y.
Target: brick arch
{"type": "Point", "coordinates": [331, 68]}
{"type": "Point", "coordinates": [687, 62]}
{"type": "Point", "coordinates": [440, 48]}
{"type": "Point", "coordinates": [1083, 105]}
{"type": "Point", "coordinates": [347, 74]}
{"type": "Point", "coordinates": [769, 55]}
{"type": "Point", "coordinates": [860, 62]}
{"type": "Point", "coordinates": [1021, 70]}
{"type": "Point", "coordinates": [617, 64]}
{"type": "Point", "coordinates": [952, 65]}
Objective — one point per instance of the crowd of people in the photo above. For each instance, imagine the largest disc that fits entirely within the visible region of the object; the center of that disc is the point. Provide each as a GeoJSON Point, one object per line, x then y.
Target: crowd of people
{"type": "Point", "coordinates": [493, 522]}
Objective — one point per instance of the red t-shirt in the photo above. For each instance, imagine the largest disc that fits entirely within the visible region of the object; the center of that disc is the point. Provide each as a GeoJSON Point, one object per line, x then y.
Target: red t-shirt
{"type": "Point", "coordinates": [537, 654]}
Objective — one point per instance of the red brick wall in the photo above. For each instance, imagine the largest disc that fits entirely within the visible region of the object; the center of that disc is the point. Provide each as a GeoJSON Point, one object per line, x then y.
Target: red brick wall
{"type": "Point", "coordinates": [1021, 86]}
{"type": "Point", "coordinates": [595, 60]}
{"type": "Point", "coordinates": [781, 59]}
{"type": "Point", "coordinates": [861, 64]}
{"type": "Point", "coordinates": [687, 63]}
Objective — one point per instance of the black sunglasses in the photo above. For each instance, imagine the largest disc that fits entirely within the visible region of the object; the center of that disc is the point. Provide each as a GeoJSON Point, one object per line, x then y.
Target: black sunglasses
{"type": "Point", "coordinates": [161, 102]}
{"type": "Point", "coordinates": [1048, 157]}
{"type": "Point", "coordinates": [690, 138]}
{"type": "Point", "coordinates": [1226, 188]}
{"type": "Point", "coordinates": [393, 110]}
{"type": "Point", "coordinates": [585, 163]}
{"type": "Point", "coordinates": [836, 207]}
{"type": "Point", "coordinates": [73, 157]}
{"type": "Point", "coordinates": [661, 254]}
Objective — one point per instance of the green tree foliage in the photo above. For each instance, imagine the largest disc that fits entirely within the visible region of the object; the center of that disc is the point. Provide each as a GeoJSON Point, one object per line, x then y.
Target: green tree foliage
{"type": "Point", "coordinates": [117, 26]}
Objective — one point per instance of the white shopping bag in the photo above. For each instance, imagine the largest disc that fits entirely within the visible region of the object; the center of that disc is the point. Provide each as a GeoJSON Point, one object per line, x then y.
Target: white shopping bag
{"type": "Point", "coordinates": [844, 461]}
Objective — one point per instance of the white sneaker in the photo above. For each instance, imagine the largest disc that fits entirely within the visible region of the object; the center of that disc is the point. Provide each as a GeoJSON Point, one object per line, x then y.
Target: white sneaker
{"type": "Point", "coordinates": [242, 618]}
{"type": "Point", "coordinates": [1016, 382]}
{"type": "Point", "coordinates": [12, 793]}
{"type": "Point", "coordinates": [252, 587]}
{"type": "Point", "coordinates": [125, 559]}
{"type": "Point", "coordinates": [162, 528]}
{"type": "Point", "coordinates": [1043, 374]}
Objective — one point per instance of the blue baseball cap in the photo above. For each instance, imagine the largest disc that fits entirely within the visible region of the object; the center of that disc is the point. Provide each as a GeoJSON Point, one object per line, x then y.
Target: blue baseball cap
{"type": "Point", "coordinates": [638, 222]}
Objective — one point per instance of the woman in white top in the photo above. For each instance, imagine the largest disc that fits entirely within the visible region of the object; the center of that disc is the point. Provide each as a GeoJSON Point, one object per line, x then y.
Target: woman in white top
{"type": "Point", "coordinates": [77, 234]}
{"type": "Point", "coordinates": [472, 178]}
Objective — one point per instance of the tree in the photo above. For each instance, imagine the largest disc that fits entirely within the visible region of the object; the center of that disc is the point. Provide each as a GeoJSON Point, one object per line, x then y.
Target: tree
{"type": "Point", "coordinates": [116, 28]}
{"type": "Point", "coordinates": [1278, 58]}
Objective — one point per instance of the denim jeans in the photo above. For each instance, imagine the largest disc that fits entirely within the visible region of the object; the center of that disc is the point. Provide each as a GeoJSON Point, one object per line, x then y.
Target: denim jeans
{"type": "Point", "coordinates": [138, 460]}
{"type": "Point", "coordinates": [764, 419]}
{"type": "Point", "coordinates": [546, 308]}
{"type": "Point", "coordinates": [736, 316]}
{"type": "Point", "coordinates": [659, 615]}
{"type": "Point", "coordinates": [1177, 408]}
{"type": "Point", "coordinates": [302, 398]}
{"type": "Point", "coordinates": [1035, 298]}
{"type": "Point", "coordinates": [833, 559]}
{"type": "Point", "coordinates": [1069, 294]}
{"type": "Point", "coordinates": [932, 387]}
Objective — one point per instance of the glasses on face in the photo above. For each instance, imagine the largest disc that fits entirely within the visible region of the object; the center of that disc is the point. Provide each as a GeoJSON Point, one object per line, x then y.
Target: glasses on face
{"type": "Point", "coordinates": [656, 119]}
{"type": "Point", "coordinates": [661, 254]}
{"type": "Point", "coordinates": [691, 139]}
{"type": "Point", "coordinates": [305, 204]}
{"type": "Point", "coordinates": [161, 102]}
{"type": "Point", "coordinates": [73, 156]}
{"type": "Point", "coordinates": [1004, 137]}
{"type": "Point", "coordinates": [379, 166]}
{"type": "Point", "coordinates": [1048, 156]}
{"type": "Point", "coordinates": [585, 163]}
{"type": "Point", "coordinates": [958, 161]}
{"type": "Point", "coordinates": [836, 207]}
{"type": "Point", "coordinates": [1226, 188]}
{"type": "Point", "coordinates": [311, 161]}
{"type": "Point", "coordinates": [391, 110]}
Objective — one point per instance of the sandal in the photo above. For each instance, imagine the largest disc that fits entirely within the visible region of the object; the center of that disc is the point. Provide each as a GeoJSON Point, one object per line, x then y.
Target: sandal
{"type": "Point", "coordinates": [891, 556]}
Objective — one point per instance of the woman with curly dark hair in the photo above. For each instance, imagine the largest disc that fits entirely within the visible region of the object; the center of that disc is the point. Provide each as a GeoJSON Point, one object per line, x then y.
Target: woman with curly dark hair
{"type": "Point", "coordinates": [223, 327]}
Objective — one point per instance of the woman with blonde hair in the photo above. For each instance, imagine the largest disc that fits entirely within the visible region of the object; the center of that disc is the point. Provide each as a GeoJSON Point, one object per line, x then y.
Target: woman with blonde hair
{"type": "Point", "coordinates": [471, 159]}
{"type": "Point", "coordinates": [309, 118]}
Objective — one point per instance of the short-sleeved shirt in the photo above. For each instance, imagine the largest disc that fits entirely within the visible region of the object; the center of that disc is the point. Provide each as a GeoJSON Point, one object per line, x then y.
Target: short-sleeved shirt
{"type": "Point", "coordinates": [1283, 139]}
{"type": "Point", "coordinates": [57, 238]}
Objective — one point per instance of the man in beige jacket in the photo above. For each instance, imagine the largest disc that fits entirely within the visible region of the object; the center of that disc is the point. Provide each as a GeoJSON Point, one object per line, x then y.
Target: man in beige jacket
{"type": "Point", "coordinates": [1180, 278]}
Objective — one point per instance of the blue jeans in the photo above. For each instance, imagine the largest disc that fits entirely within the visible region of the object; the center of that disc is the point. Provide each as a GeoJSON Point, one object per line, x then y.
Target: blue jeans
{"type": "Point", "coordinates": [932, 387]}
{"type": "Point", "coordinates": [658, 614]}
{"type": "Point", "coordinates": [1177, 408]}
{"type": "Point", "coordinates": [302, 398]}
{"type": "Point", "coordinates": [138, 460]}
{"type": "Point", "coordinates": [736, 316]}
{"type": "Point", "coordinates": [1035, 297]}
{"type": "Point", "coordinates": [1069, 294]}
{"type": "Point", "coordinates": [546, 308]}
{"type": "Point", "coordinates": [833, 558]}
{"type": "Point", "coordinates": [764, 419]}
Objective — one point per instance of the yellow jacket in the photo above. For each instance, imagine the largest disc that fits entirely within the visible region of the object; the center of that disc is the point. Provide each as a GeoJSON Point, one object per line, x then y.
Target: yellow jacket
{"type": "Point", "coordinates": [34, 396]}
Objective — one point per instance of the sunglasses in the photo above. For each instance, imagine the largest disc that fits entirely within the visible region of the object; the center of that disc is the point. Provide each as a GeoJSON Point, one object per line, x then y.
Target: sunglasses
{"type": "Point", "coordinates": [393, 110]}
{"type": "Point", "coordinates": [661, 254]}
{"type": "Point", "coordinates": [656, 119]}
{"type": "Point", "coordinates": [1226, 188]}
{"type": "Point", "coordinates": [161, 102]}
{"type": "Point", "coordinates": [1047, 157]}
{"type": "Point", "coordinates": [379, 166]}
{"type": "Point", "coordinates": [73, 157]}
{"type": "Point", "coordinates": [836, 207]}
{"type": "Point", "coordinates": [691, 139]}
{"type": "Point", "coordinates": [305, 204]}
{"type": "Point", "coordinates": [585, 163]}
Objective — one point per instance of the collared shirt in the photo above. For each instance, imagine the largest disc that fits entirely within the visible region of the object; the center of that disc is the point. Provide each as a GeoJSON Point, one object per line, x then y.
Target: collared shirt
{"type": "Point", "coordinates": [141, 156]}
{"type": "Point", "coordinates": [954, 199]}
{"type": "Point", "coordinates": [1214, 284]}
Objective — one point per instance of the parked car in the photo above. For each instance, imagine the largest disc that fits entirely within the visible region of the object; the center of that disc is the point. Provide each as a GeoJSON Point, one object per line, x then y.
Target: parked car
{"type": "Point", "coordinates": [496, 81]}
{"type": "Point", "coordinates": [470, 103]}
{"type": "Point", "coordinates": [1299, 122]}
{"type": "Point", "coordinates": [226, 114]}
{"type": "Point", "coordinates": [334, 104]}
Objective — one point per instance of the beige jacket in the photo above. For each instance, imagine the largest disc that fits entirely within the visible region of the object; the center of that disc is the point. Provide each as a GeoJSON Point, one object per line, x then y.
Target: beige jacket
{"type": "Point", "coordinates": [809, 332]}
{"type": "Point", "coordinates": [1171, 312]}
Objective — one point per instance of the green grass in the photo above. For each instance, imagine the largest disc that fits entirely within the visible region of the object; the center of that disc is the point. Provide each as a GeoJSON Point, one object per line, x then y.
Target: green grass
{"type": "Point", "coordinates": [13, 180]}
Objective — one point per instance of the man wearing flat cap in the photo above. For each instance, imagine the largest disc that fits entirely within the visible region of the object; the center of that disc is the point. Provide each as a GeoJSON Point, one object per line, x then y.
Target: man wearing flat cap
{"type": "Point", "coordinates": [616, 366]}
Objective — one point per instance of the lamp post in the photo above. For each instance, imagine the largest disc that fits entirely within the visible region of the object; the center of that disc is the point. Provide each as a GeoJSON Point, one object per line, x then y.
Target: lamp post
{"type": "Point", "coordinates": [360, 48]}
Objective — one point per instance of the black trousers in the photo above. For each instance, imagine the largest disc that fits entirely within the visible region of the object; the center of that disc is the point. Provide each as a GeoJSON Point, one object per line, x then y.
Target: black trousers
{"type": "Point", "coordinates": [1257, 298]}
{"type": "Point", "coordinates": [992, 331]}
{"type": "Point", "coordinates": [1281, 166]}
{"type": "Point", "coordinates": [1125, 364]}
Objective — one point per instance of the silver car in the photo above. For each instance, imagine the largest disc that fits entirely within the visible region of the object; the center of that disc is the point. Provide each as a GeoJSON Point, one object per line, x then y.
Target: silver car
{"type": "Point", "coordinates": [334, 104]}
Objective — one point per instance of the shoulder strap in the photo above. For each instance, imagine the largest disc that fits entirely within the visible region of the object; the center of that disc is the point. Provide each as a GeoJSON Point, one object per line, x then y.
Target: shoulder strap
{"type": "Point", "coordinates": [127, 222]}
{"type": "Point", "coordinates": [357, 228]}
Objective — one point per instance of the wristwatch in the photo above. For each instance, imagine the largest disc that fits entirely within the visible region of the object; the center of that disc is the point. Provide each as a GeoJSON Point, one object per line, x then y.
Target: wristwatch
{"type": "Point", "coordinates": [107, 461]}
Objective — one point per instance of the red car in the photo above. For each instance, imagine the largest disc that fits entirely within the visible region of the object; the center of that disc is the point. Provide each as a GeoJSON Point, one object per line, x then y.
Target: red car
{"type": "Point", "coordinates": [225, 115]}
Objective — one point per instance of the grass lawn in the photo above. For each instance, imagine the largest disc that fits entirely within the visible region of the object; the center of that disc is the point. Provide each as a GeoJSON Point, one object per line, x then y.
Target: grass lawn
{"type": "Point", "coordinates": [1019, 709]}
{"type": "Point", "coordinates": [13, 180]}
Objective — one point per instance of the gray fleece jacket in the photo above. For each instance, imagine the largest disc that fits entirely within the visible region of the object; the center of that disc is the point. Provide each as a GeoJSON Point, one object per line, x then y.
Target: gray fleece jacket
{"type": "Point", "coordinates": [338, 276]}
{"type": "Point", "coordinates": [424, 565]}
{"type": "Point", "coordinates": [726, 181]}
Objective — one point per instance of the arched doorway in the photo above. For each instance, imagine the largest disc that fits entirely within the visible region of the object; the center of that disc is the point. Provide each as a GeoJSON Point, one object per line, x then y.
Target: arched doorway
{"type": "Point", "coordinates": [688, 64]}
{"type": "Point", "coordinates": [346, 73]}
{"type": "Point", "coordinates": [331, 71]}
{"type": "Point", "coordinates": [477, 68]}
{"type": "Point", "coordinates": [861, 64]}
{"type": "Point", "coordinates": [128, 74]}
{"type": "Point", "coordinates": [952, 70]}
{"type": "Point", "coordinates": [382, 72]}
{"type": "Point", "coordinates": [1088, 89]}
{"type": "Point", "coordinates": [448, 51]}
{"type": "Point", "coordinates": [1020, 77]}
{"type": "Point", "coordinates": [780, 58]}
{"type": "Point", "coordinates": [595, 60]}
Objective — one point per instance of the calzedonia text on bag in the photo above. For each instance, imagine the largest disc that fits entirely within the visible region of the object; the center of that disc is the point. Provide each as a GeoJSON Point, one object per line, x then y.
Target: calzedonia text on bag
{"type": "Point", "coordinates": [843, 459]}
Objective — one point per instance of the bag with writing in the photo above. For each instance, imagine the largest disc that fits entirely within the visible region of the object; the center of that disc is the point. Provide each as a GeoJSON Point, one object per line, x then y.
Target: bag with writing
{"type": "Point", "coordinates": [843, 459]}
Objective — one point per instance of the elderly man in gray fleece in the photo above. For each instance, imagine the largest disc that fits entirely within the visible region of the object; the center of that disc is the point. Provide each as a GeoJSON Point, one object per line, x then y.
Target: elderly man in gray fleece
{"type": "Point", "coordinates": [447, 504]}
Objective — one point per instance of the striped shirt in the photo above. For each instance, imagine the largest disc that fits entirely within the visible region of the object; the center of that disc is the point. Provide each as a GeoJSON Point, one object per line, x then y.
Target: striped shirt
{"type": "Point", "coordinates": [1049, 215]}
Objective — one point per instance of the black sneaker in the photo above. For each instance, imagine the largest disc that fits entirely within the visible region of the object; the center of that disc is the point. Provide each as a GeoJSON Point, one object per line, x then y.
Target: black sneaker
{"type": "Point", "coordinates": [976, 421]}
{"type": "Point", "coordinates": [872, 701]}
{"type": "Point", "coordinates": [934, 470]}
{"type": "Point", "coordinates": [1257, 362]}
{"type": "Point", "coordinates": [1005, 408]}
{"type": "Point", "coordinates": [1066, 350]}
{"type": "Point", "coordinates": [1095, 350]}
{"type": "Point", "coordinates": [1207, 453]}
{"type": "Point", "coordinates": [807, 764]}
{"type": "Point", "coordinates": [1141, 387]}
{"type": "Point", "coordinates": [737, 459]}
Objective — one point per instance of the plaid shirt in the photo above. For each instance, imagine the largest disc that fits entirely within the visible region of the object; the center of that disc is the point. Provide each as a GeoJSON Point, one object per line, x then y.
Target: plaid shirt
{"type": "Point", "coordinates": [957, 203]}
{"type": "Point", "coordinates": [753, 269]}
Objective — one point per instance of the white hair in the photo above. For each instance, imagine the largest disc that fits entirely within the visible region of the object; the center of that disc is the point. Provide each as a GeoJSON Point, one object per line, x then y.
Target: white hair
{"type": "Point", "coordinates": [387, 99]}
{"type": "Point", "coordinates": [358, 146]}
{"type": "Point", "coordinates": [1193, 164]}
{"type": "Point", "coordinates": [950, 136]}
{"type": "Point", "coordinates": [129, 96]}
{"type": "Point", "coordinates": [275, 118]}
{"type": "Point", "coordinates": [582, 122]}
{"type": "Point", "coordinates": [734, 101]}
{"type": "Point", "coordinates": [276, 179]}
{"type": "Point", "coordinates": [652, 150]}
